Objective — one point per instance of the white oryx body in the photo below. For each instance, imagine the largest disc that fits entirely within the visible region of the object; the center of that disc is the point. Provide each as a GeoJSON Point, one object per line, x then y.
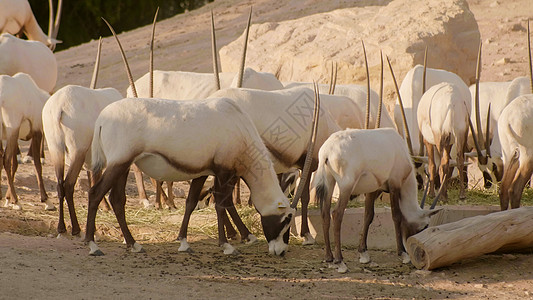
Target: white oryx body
{"type": "Point", "coordinates": [181, 140]}
{"type": "Point", "coordinates": [283, 120]}
{"type": "Point", "coordinates": [16, 17]}
{"type": "Point", "coordinates": [368, 162]}
{"type": "Point", "coordinates": [179, 85]}
{"type": "Point", "coordinates": [411, 93]}
{"type": "Point", "coordinates": [30, 57]}
{"type": "Point", "coordinates": [442, 115]}
{"type": "Point", "coordinates": [68, 121]}
{"type": "Point", "coordinates": [357, 94]}
{"type": "Point", "coordinates": [21, 104]}
{"type": "Point", "coordinates": [515, 131]}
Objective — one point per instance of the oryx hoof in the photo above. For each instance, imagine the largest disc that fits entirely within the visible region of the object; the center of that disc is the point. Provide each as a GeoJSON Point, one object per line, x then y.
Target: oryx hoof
{"type": "Point", "coordinates": [16, 206]}
{"type": "Point", "coordinates": [308, 239]}
{"type": "Point", "coordinates": [405, 258]}
{"type": "Point", "coordinates": [341, 267]}
{"type": "Point", "coordinates": [49, 206]}
{"type": "Point", "coordinates": [184, 246]}
{"type": "Point", "coordinates": [250, 239]}
{"type": "Point", "coordinates": [97, 253]}
{"type": "Point", "coordinates": [137, 248]}
{"type": "Point", "coordinates": [229, 249]}
{"type": "Point", "coordinates": [27, 159]}
{"type": "Point", "coordinates": [147, 204]}
{"type": "Point", "coordinates": [364, 257]}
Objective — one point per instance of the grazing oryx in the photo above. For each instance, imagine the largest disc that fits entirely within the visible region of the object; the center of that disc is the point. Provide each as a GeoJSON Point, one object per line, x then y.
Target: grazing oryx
{"type": "Point", "coordinates": [369, 162]}
{"type": "Point", "coordinates": [68, 122]}
{"type": "Point", "coordinates": [283, 117]}
{"type": "Point", "coordinates": [514, 130]}
{"type": "Point", "coordinates": [30, 57]}
{"type": "Point", "coordinates": [156, 135]}
{"type": "Point", "coordinates": [16, 17]}
{"type": "Point", "coordinates": [21, 103]}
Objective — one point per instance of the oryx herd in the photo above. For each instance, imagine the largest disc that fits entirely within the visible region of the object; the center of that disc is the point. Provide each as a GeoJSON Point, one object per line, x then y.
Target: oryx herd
{"type": "Point", "coordinates": [176, 126]}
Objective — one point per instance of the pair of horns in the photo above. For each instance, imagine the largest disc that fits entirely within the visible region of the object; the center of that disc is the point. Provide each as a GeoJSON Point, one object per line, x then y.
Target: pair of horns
{"type": "Point", "coordinates": [215, 52]}
{"type": "Point", "coordinates": [125, 60]}
{"type": "Point", "coordinates": [380, 106]}
{"type": "Point", "coordinates": [306, 171]}
{"type": "Point", "coordinates": [53, 25]}
{"type": "Point", "coordinates": [439, 193]}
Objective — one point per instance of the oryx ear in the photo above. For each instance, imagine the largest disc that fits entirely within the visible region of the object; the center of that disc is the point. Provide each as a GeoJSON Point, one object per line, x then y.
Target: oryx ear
{"type": "Point", "coordinates": [433, 212]}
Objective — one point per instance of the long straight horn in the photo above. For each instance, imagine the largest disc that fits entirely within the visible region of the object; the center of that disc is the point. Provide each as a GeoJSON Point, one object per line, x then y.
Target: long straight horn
{"type": "Point", "coordinates": [243, 59]}
{"type": "Point", "coordinates": [124, 59]}
{"type": "Point", "coordinates": [330, 79]}
{"type": "Point", "coordinates": [380, 106]}
{"type": "Point", "coordinates": [529, 55]}
{"type": "Point", "coordinates": [367, 111]}
{"type": "Point", "coordinates": [436, 199]}
{"type": "Point", "coordinates": [425, 195]}
{"type": "Point", "coordinates": [476, 99]}
{"type": "Point", "coordinates": [58, 19]}
{"type": "Point", "coordinates": [96, 65]}
{"type": "Point", "coordinates": [476, 142]}
{"type": "Point", "coordinates": [487, 132]}
{"type": "Point", "coordinates": [50, 19]}
{"type": "Point", "coordinates": [152, 55]}
{"type": "Point", "coordinates": [334, 80]}
{"type": "Point", "coordinates": [404, 119]}
{"type": "Point", "coordinates": [214, 51]}
{"type": "Point", "coordinates": [424, 79]}
{"type": "Point", "coordinates": [310, 148]}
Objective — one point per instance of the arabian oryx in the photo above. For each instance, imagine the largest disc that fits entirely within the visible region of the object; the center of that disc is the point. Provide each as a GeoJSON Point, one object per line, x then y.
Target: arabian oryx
{"type": "Point", "coordinates": [514, 130]}
{"type": "Point", "coordinates": [68, 122]}
{"type": "Point", "coordinates": [443, 116]}
{"type": "Point", "coordinates": [411, 91]}
{"type": "Point", "coordinates": [157, 135]}
{"type": "Point", "coordinates": [21, 103]}
{"type": "Point", "coordinates": [16, 17]}
{"type": "Point", "coordinates": [30, 57]}
{"type": "Point", "coordinates": [369, 162]}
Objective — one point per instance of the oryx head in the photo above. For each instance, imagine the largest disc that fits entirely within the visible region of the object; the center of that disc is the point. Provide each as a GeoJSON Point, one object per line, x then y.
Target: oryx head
{"type": "Point", "coordinates": [276, 227]}
{"type": "Point", "coordinates": [492, 167]}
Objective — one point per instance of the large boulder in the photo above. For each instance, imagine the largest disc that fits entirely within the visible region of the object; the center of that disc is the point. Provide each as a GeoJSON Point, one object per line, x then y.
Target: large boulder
{"type": "Point", "coordinates": [303, 49]}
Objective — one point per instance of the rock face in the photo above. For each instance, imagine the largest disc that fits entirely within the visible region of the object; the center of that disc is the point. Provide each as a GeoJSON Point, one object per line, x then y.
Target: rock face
{"type": "Point", "coordinates": [303, 49]}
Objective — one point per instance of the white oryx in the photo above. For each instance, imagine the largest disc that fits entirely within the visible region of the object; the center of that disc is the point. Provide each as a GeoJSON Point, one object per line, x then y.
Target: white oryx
{"type": "Point", "coordinates": [369, 162]}
{"type": "Point", "coordinates": [411, 91]}
{"type": "Point", "coordinates": [21, 103]}
{"type": "Point", "coordinates": [180, 85]}
{"type": "Point", "coordinates": [16, 17]}
{"type": "Point", "coordinates": [68, 122]}
{"type": "Point", "coordinates": [514, 130]}
{"type": "Point", "coordinates": [157, 135]}
{"type": "Point", "coordinates": [357, 94]}
{"type": "Point", "coordinates": [30, 57]}
{"type": "Point", "coordinates": [443, 116]}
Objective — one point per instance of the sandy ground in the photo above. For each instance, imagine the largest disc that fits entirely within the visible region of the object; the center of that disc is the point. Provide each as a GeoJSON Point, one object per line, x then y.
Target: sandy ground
{"type": "Point", "coordinates": [34, 264]}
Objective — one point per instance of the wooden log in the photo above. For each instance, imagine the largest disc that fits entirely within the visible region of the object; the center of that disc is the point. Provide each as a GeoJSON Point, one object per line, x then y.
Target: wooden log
{"type": "Point", "coordinates": [445, 244]}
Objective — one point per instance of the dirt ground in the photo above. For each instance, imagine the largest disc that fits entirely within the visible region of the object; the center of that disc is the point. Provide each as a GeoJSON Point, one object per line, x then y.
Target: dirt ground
{"type": "Point", "coordinates": [36, 264]}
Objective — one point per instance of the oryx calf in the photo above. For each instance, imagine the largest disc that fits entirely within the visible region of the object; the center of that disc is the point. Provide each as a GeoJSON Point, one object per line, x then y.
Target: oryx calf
{"type": "Point", "coordinates": [368, 162]}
